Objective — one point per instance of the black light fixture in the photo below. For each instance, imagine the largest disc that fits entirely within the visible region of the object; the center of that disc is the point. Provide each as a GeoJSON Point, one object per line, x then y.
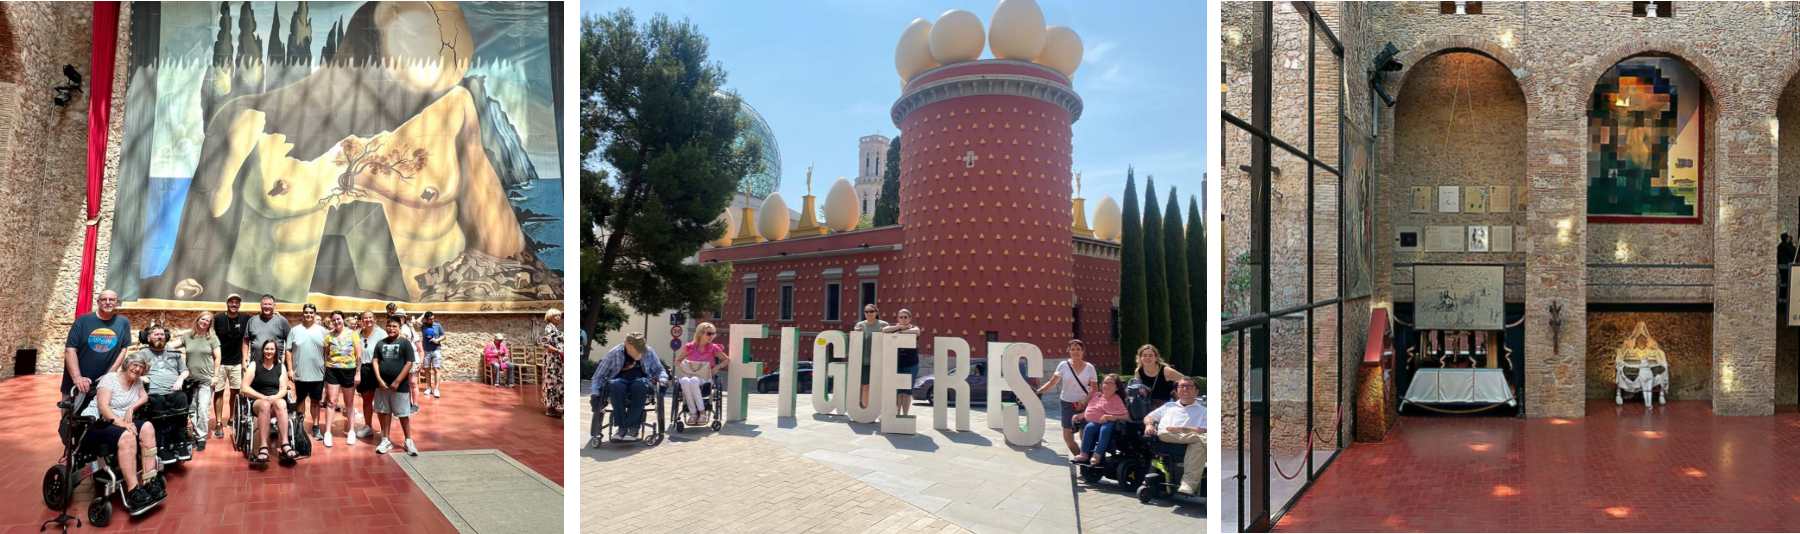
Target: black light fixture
{"type": "Point", "coordinates": [66, 93]}
{"type": "Point", "coordinates": [1384, 63]}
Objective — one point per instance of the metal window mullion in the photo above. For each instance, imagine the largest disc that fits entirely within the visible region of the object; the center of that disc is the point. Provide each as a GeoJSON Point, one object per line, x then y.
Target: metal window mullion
{"type": "Point", "coordinates": [1259, 354]}
{"type": "Point", "coordinates": [1311, 149]}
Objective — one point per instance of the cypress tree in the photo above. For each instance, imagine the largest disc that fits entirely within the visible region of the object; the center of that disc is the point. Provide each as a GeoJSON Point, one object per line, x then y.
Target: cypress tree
{"type": "Point", "coordinates": [1196, 264]}
{"type": "Point", "coordinates": [1134, 310]}
{"type": "Point", "coordinates": [1156, 269]}
{"type": "Point", "coordinates": [1181, 315]}
{"type": "Point", "coordinates": [887, 206]}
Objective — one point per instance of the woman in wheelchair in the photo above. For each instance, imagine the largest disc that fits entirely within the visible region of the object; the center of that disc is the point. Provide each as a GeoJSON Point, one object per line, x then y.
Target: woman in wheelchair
{"type": "Point", "coordinates": [695, 365]}
{"type": "Point", "coordinates": [626, 377]}
{"type": "Point", "coordinates": [121, 394]}
{"type": "Point", "coordinates": [1105, 407]}
{"type": "Point", "coordinates": [267, 390]}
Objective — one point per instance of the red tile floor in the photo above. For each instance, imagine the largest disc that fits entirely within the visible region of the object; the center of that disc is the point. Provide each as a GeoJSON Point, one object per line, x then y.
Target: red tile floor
{"type": "Point", "coordinates": [1620, 469]}
{"type": "Point", "coordinates": [339, 489]}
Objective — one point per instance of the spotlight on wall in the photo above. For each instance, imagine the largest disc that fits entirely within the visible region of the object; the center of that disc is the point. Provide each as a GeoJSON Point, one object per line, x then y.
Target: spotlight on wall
{"type": "Point", "coordinates": [66, 93]}
{"type": "Point", "coordinates": [1383, 64]}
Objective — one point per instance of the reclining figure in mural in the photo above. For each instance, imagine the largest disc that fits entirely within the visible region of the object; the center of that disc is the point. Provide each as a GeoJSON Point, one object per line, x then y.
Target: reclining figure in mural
{"type": "Point", "coordinates": [1639, 365]}
{"type": "Point", "coordinates": [387, 122]}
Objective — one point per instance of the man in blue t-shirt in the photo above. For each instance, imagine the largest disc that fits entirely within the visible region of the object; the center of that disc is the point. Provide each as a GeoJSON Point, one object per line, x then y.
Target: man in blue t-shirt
{"type": "Point", "coordinates": [433, 335]}
{"type": "Point", "coordinates": [94, 343]}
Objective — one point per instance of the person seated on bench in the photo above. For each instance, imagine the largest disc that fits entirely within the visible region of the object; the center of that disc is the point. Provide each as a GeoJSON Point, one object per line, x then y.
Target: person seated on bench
{"type": "Point", "coordinates": [628, 372]}
{"type": "Point", "coordinates": [1183, 421]}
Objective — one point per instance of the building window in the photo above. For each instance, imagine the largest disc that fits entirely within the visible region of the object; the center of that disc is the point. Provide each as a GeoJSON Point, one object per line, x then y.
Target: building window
{"type": "Point", "coordinates": [833, 301]}
{"type": "Point", "coordinates": [1077, 334]}
{"type": "Point", "coordinates": [1459, 8]}
{"type": "Point", "coordinates": [787, 302]}
{"type": "Point", "coordinates": [1653, 9]}
{"type": "Point", "coordinates": [868, 293]}
{"type": "Point", "coordinates": [749, 303]}
{"type": "Point", "coordinates": [1115, 324]}
{"type": "Point", "coordinates": [718, 313]}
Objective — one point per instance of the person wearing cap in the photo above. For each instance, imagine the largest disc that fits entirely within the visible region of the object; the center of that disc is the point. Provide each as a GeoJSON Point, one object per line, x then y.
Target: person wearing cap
{"type": "Point", "coordinates": [497, 356]}
{"type": "Point", "coordinates": [229, 326]}
{"type": "Point", "coordinates": [431, 339]}
{"type": "Point", "coordinates": [626, 375]}
{"type": "Point", "coordinates": [551, 339]}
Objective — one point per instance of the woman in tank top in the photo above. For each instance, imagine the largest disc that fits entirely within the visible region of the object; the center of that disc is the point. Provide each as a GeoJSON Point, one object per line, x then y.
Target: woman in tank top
{"type": "Point", "coordinates": [1156, 375]}
{"type": "Point", "coordinates": [267, 389]}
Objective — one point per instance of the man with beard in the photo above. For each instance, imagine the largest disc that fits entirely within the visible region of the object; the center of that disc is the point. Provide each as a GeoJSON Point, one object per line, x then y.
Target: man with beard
{"type": "Point", "coordinates": [229, 327]}
{"type": "Point", "coordinates": [306, 364]}
{"type": "Point", "coordinates": [168, 369]}
{"type": "Point", "coordinates": [94, 343]}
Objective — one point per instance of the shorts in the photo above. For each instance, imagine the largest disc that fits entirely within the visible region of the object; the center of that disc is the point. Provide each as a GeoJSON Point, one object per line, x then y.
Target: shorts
{"type": "Point", "coordinates": [1068, 414]}
{"type": "Point", "coordinates": [232, 376]}
{"type": "Point", "coordinates": [101, 439]}
{"type": "Point", "coordinates": [309, 390]}
{"type": "Point", "coordinates": [368, 380]}
{"type": "Point", "coordinates": [340, 377]}
{"type": "Point", "coordinates": [434, 359]}
{"type": "Point", "coordinates": [395, 403]}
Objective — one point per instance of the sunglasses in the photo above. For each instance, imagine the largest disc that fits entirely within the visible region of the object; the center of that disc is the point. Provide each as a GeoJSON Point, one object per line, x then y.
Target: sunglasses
{"type": "Point", "coordinates": [707, 334]}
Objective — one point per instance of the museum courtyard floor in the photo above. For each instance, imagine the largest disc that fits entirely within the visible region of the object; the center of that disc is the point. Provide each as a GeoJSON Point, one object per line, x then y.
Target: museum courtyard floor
{"type": "Point", "coordinates": [1620, 469]}
{"type": "Point", "coordinates": [819, 473]}
{"type": "Point", "coordinates": [339, 489]}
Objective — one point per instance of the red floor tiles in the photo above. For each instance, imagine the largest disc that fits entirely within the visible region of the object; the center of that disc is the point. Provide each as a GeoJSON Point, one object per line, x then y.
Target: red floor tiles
{"type": "Point", "coordinates": [1620, 469]}
{"type": "Point", "coordinates": [337, 490]}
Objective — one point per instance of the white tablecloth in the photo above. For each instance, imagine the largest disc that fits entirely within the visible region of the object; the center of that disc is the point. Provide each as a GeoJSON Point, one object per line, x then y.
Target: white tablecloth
{"type": "Point", "coordinates": [1459, 386]}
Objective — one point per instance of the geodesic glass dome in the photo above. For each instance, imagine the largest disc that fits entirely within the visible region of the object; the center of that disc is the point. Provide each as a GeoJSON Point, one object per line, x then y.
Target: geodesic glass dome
{"type": "Point", "coordinates": [761, 183]}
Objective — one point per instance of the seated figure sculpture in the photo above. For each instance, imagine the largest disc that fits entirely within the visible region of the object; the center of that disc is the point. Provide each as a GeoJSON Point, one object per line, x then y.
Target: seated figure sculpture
{"type": "Point", "coordinates": [1639, 366]}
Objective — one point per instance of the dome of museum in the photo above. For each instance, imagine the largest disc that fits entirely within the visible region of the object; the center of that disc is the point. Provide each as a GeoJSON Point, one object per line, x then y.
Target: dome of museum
{"type": "Point", "coordinates": [769, 179]}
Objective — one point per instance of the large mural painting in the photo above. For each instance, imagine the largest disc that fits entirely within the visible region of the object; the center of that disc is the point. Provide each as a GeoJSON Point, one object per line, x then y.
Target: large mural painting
{"type": "Point", "coordinates": [1645, 139]}
{"type": "Point", "coordinates": [389, 151]}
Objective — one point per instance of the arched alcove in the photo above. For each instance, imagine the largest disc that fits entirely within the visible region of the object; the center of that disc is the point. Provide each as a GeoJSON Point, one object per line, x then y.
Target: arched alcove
{"type": "Point", "coordinates": [1787, 215]}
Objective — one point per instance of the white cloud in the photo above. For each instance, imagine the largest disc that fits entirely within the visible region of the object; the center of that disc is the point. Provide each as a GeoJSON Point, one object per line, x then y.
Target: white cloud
{"type": "Point", "coordinates": [1097, 53]}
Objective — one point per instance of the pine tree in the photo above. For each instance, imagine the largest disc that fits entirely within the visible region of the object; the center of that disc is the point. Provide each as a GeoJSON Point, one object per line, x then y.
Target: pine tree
{"type": "Point", "coordinates": [887, 206]}
{"type": "Point", "coordinates": [1156, 268]}
{"type": "Point", "coordinates": [300, 36]}
{"type": "Point", "coordinates": [1134, 309]}
{"type": "Point", "coordinates": [1181, 315]}
{"type": "Point", "coordinates": [1196, 253]}
{"type": "Point", "coordinates": [277, 49]}
{"type": "Point", "coordinates": [651, 110]}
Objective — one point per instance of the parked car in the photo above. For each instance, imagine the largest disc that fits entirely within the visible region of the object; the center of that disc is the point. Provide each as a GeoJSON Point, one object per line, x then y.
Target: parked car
{"type": "Point", "coordinates": [923, 387]}
{"type": "Point", "coordinates": [771, 382]}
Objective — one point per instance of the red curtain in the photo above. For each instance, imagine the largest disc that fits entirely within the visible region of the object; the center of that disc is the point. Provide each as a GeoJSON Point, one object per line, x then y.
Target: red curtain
{"type": "Point", "coordinates": [100, 84]}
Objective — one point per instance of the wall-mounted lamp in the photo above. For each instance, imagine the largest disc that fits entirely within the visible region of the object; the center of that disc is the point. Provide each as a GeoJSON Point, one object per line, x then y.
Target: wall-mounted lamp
{"type": "Point", "coordinates": [66, 93]}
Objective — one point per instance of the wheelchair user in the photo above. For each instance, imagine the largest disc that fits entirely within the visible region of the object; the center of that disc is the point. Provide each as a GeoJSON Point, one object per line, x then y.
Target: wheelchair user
{"type": "Point", "coordinates": [268, 391]}
{"type": "Point", "coordinates": [628, 373]}
{"type": "Point", "coordinates": [1105, 408]}
{"type": "Point", "coordinates": [121, 393]}
{"type": "Point", "coordinates": [168, 373]}
{"type": "Point", "coordinates": [1183, 422]}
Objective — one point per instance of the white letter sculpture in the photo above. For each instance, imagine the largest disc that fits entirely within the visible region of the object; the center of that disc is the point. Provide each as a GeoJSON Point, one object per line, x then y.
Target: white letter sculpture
{"type": "Point", "coordinates": [891, 420]}
{"type": "Point", "coordinates": [742, 372]}
{"type": "Point", "coordinates": [950, 378]}
{"type": "Point", "coordinates": [784, 389]}
{"type": "Point", "coordinates": [996, 382]}
{"type": "Point", "coordinates": [1029, 404]}
{"type": "Point", "coordinates": [828, 377]}
{"type": "Point", "coordinates": [859, 412]}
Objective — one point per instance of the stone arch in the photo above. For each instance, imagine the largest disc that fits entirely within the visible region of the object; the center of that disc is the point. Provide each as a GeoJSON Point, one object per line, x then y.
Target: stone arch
{"type": "Point", "coordinates": [1462, 43]}
{"type": "Point", "coordinates": [1723, 101]}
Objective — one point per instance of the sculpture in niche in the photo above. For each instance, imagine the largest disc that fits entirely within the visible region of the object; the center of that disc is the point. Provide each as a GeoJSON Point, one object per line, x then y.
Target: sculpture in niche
{"type": "Point", "coordinates": [1639, 365]}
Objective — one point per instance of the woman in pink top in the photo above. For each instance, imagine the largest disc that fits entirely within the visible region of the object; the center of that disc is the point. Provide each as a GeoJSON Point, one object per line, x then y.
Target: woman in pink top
{"type": "Point", "coordinates": [695, 364]}
{"type": "Point", "coordinates": [498, 358]}
{"type": "Point", "coordinates": [1105, 407]}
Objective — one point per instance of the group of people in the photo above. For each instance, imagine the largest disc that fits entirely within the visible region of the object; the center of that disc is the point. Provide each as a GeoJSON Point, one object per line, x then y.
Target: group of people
{"type": "Point", "coordinates": [1097, 405]}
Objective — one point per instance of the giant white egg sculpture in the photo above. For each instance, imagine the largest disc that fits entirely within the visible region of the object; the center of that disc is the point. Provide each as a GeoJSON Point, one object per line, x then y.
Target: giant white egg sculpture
{"type": "Point", "coordinates": [773, 219]}
{"type": "Point", "coordinates": [913, 55]}
{"type": "Point", "coordinates": [843, 207]}
{"type": "Point", "coordinates": [1062, 50]}
{"type": "Point", "coordinates": [1107, 219]}
{"type": "Point", "coordinates": [956, 37]}
{"type": "Point", "coordinates": [1017, 30]}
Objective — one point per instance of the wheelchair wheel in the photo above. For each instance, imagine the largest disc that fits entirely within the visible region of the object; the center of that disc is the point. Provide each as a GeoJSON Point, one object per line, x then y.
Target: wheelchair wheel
{"type": "Point", "coordinates": [716, 424]}
{"type": "Point", "coordinates": [1128, 474]}
{"type": "Point", "coordinates": [1146, 494]}
{"type": "Point", "coordinates": [56, 487]}
{"type": "Point", "coordinates": [100, 513]}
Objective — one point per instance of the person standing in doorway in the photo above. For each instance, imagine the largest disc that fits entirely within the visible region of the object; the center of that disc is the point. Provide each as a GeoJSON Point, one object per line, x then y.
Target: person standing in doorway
{"type": "Point", "coordinates": [306, 365]}
{"type": "Point", "coordinates": [1073, 374]}
{"type": "Point", "coordinates": [94, 343]}
{"type": "Point", "coordinates": [433, 335]}
{"type": "Point", "coordinates": [229, 327]}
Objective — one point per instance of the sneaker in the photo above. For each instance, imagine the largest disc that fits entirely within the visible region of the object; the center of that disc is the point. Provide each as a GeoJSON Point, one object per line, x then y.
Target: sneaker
{"type": "Point", "coordinates": [1189, 489]}
{"type": "Point", "coordinates": [218, 433]}
{"type": "Point", "coordinates": [184, 452]}
{"type": "Point", "coordinates": [165, 456]}
{"type": "Point", "coordinates": [328, 440]}
{"type": "Point", "coordinates": [364, 432]}
{"type": "Point", "coordinates": [316, 435]}
{"type": "Point", "coordinates": [618, 434]}
{"type": "Point", "coordinates": [200, 446]}
{"type": "Point", "coordinates": [410, 448]}
{"type": "Point", "coordinates": [384, 447]}
{"type": "Point", "coordinates": [349, 439]}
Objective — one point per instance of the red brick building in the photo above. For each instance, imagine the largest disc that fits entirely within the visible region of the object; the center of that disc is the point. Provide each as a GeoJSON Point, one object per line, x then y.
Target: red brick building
{"type": "Point", "coordinates": [986, 247]}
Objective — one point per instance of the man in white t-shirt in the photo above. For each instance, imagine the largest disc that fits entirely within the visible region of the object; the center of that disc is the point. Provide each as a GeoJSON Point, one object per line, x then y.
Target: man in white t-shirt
{"type": "Point", "coordinates": [1183, 421]}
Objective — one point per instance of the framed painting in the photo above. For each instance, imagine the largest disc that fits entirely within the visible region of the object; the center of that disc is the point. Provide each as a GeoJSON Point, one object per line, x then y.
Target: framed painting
{"type": "Point", "coordinates": [1646, 144]}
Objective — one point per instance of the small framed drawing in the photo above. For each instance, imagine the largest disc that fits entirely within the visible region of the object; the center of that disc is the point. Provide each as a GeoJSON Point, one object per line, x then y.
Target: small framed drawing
{"type": "Point", "coordinates": [1421, 199]}
{"type": "Point", "coordinates": [1449, 199]}
{"type": "Point", "coordinates": [1500, 198]}
{"type": "Point", "coordinates": [1406, 239]}
{"type": "Point", "coordinates": [1500, 238]}
{"type": "Point", "coordinates": [1475, 199]}
{"type": "Point", "coordinates": [1443, 239]}
{"type": "Point", "coordinates": [1478, 239]}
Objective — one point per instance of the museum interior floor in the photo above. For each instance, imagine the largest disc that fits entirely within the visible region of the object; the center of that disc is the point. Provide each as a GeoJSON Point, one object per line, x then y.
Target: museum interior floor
{"type": "Point", "coordinates": [1620, 469]}
{"type": "Point", "coordinates": [338, 489]}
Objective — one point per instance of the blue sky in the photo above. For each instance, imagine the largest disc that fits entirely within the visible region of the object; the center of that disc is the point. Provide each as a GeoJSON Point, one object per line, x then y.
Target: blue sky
{"type": "Point", "coordinates": [822, 74]}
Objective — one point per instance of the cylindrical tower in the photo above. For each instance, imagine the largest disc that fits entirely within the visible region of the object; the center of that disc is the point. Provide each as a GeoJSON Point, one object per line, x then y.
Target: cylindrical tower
{"type": "Point", "coordinates": [984, 197]}
{"type": "Point", "coordinates": [871, 162]}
